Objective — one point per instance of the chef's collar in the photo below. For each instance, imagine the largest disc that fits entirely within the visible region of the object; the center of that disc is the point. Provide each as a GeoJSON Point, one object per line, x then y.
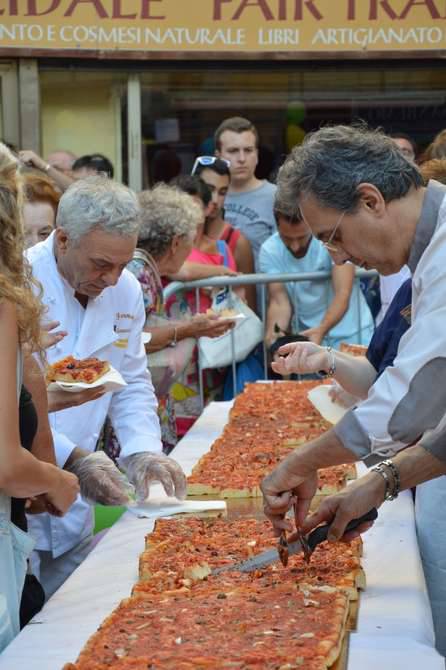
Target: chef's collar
{"type": "Point", "coordinates": [427, 223]}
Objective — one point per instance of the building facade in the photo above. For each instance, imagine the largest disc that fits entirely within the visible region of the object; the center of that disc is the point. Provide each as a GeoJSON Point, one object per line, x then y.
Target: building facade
{"type": "Point", "coordinates": [147, 81]}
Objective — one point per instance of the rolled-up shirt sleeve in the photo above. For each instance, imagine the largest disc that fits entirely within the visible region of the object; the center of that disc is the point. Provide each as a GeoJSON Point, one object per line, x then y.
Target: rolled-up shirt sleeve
{"type": "Point", "coordinates": [410, 396]}
{"type": "Point", "coordinates": [434, 441]}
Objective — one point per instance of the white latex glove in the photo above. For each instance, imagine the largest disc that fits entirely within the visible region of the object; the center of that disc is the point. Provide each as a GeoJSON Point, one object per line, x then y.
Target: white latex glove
{"type": "Point", "coordinates": [145, 468]}
{"type": "Point", "coordinates": [301, 357]}
{"type": "Point", "coordinates": [100, 480]}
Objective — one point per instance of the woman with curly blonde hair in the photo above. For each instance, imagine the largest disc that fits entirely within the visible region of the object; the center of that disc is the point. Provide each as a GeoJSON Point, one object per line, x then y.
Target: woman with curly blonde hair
{"type": "Point", "coordinates": [21, 474]}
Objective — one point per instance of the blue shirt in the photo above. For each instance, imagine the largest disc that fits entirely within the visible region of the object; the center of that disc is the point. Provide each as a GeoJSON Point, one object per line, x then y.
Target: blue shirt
{"type": "Point", "coordinates": [384, 343]}
{"type": "Point", "coordinates": [310, 299]}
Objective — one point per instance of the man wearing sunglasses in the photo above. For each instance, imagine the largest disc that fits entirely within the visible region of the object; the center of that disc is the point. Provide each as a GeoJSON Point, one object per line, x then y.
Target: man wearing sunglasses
{"type": "Point", "coordinates": [368, 203]}
{"type": "Point", "coordinates": [249, 201]}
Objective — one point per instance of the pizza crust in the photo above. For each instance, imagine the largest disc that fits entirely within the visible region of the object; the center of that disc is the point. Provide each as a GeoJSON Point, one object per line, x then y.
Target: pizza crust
{"type": "Point", "coordinates": [195, 489]}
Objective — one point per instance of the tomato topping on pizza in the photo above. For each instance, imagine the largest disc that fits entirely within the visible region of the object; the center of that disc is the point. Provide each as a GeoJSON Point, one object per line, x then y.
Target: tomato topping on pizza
{"type": "Point", "coordinates": [73, 370]}
{"type": "Point", "coordinates": [266, 422]}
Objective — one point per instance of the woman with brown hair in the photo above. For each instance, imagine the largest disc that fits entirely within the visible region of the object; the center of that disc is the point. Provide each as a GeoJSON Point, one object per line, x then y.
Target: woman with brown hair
{"type": "Point", "coordinates": [21, 474]}
{"type": "Point", "coordinates": [436, 149]}
{"type": "Point", "coordinates": [40, 202]}
{"type": "Point", "coordinates": [434, 169]}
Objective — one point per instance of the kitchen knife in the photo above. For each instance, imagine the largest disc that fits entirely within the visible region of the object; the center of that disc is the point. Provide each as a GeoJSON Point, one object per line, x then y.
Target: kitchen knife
{"type": "Point", "coordinates": [311, 541]}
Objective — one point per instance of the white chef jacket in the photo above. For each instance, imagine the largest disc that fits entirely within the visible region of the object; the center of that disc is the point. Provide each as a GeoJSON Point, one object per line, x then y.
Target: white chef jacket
{"type": "Point", "coordinates": [109, 328]}
{"type": "Point", "coordinates": [409, 398]}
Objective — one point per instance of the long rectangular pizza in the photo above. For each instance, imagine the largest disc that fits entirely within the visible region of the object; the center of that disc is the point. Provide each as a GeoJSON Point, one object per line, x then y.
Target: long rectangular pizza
{"type": "Point", "coordinates": [267, 421]}
{"type": "Point", "coordinates": [181, 619]}
{"type": "Point", "coordinates": [181, 616]}
{"type": "Point", "coordinates": [181, 552]}
{"type": "Point", "coordinates": [241, 626]}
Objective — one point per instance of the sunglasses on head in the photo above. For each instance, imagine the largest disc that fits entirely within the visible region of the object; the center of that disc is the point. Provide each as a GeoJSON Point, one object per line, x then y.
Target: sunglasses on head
{"type": "Point", "coordinates": [205, 161]}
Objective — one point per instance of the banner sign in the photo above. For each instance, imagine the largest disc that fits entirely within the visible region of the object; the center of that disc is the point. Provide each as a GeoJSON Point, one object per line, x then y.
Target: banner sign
{"type": "Point", "coordinates": [239, 26]}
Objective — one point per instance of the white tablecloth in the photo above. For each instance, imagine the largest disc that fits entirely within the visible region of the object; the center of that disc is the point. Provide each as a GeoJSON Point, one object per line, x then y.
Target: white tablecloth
{"type": "Point", "coordinates": [394, 627]}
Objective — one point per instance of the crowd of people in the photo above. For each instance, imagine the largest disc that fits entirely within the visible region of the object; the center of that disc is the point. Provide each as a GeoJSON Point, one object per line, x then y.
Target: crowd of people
{"type": "Point", "coordinates": [85, 264]}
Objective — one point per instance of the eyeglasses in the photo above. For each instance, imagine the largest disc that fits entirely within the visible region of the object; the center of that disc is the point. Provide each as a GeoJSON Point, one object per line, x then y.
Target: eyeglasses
{"type": "Point", "coordinates": [334, 248]}
{"type": "Point", "coordinates": [205, 161]}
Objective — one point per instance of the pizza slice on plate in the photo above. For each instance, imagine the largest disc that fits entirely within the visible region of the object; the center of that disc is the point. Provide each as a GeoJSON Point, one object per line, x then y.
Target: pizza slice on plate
{"type": "Point", "coordinates": [73, 370]}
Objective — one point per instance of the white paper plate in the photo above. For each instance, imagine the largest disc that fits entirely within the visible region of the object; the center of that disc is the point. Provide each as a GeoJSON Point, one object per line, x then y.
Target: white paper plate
{"type": "Point", "coordinates": [163, 506]}
{"type": "Point", "coordinates": [112, 380]}
{"type": "Point", "coordinates": [236, 317]}
{"type": "Point", "coordinates": [331, 411]}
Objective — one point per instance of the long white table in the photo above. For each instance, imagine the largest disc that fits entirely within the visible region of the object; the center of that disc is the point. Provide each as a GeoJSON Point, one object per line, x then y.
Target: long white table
{"type": "Point", "coordinates": [394, 627]}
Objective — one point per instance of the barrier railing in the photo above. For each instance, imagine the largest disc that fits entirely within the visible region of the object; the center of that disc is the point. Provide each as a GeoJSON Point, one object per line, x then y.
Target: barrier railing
{"type": "Point", "coordinates": [260, 280]}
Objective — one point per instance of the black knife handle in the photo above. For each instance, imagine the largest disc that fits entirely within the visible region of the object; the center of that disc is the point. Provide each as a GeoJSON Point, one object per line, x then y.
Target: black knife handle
{"type": "Point", "coordinates": [320, 533]}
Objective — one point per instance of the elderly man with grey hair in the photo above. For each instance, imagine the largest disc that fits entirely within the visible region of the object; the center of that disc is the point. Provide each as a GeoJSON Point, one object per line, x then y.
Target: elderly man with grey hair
{"type": "Point", "coordinates": [367, 203]}
{"type": "Point", "coordinates": [86, 287]}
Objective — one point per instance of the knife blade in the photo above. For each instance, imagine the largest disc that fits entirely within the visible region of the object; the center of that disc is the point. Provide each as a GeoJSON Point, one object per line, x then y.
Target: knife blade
{"type": "Point", "coordinates": [310, 543]}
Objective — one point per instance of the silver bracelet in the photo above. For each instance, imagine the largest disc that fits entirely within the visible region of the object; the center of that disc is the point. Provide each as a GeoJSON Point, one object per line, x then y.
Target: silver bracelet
{"type": "Point", "coordinates": [332, 369]}
{"type": "Point", "coordinates": [390, 493]}
{"type": "Point", "coordinates": [395, 474]}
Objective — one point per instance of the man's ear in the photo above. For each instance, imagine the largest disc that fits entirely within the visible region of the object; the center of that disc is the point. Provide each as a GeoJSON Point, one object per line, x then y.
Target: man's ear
{"type": "Point", "coordinates": [62, 241]}
{"type": "Point", "coordinates": [371, 199]}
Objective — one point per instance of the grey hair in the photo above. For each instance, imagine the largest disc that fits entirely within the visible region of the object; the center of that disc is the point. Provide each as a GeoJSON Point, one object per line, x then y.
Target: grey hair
{"type": "Point", "coordinates": [166, 212]}
{"type": "Point", "coordinates": [332, 162]}
{"type": "Point", "coordinates": [98, 202]}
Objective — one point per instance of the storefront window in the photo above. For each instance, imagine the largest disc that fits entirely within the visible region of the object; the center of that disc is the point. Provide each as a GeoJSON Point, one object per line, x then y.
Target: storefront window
{"type": "Point", "coordinates": [81, 112]}
{"type": "Point", "coordinates": [181, 109]}
{"type": "Point", "coordinates": [84, 108]}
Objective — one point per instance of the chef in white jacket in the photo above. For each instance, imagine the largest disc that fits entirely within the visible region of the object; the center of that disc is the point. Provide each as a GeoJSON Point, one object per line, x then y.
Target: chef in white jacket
{"type": "Point", "coordinates": [369, 206]}
{"type": "Point", "coordinates": [86, 287]}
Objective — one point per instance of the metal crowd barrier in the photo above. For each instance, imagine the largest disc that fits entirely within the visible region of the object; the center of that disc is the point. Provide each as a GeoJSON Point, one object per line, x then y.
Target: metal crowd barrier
{"type": "Point", "coordinates": [260, 280]}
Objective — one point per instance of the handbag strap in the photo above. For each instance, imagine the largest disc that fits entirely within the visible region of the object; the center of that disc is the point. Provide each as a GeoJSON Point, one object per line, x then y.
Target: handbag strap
{"type": "Point", "coordinates": [143, 255]}
{"type": "Point", "coordinates": [223, 250]}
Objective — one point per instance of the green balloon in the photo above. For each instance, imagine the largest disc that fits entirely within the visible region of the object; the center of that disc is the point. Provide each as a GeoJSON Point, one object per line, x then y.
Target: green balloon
{"type": "Point", "coordinates": [296, 113]}
{"type": "Point", "coordinates": [294, 136]}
